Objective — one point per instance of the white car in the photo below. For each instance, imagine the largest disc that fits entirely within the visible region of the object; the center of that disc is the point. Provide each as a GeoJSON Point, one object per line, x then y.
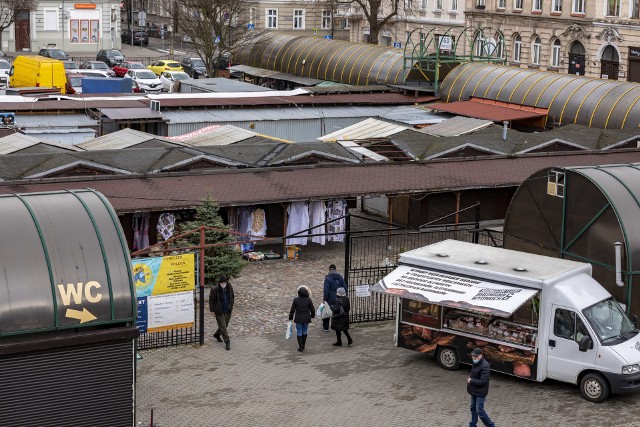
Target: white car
{"type": "Point", "coordinates": [5, 66]}
{"type": "Point", "coordinates": [168, 79]}
{"type": "Point", "coordinates": [146, 80]}
{"type": "Point", "coordinates": [92, 73]}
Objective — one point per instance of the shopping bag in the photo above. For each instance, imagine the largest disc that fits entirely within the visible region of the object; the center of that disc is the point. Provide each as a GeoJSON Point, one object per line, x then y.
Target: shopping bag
{"type": "Point", "coordinates": [319, 311]}
{"type": "Point", "coordinates": [326, 312]}
{"type": "Point", "coordinates": [289, 332]}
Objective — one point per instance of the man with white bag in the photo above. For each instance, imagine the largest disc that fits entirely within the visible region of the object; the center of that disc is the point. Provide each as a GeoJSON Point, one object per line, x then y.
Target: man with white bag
{"type": "Point", "coordinates": [332, 282]}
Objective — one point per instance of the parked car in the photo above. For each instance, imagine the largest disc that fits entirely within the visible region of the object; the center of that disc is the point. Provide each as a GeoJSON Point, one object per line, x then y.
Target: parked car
{"type": "Point", "coordinates": [145, 80]}
{"type": "Point", "coordinates": [5, 67]}
{"type": "Point", "coordinates": [92, 73]}
{"type": "Point", "coordinates": [98, 66]}
{"type": "Point", "coordinates": [111, 57]}
{"type": "Point", "coordinates": [52, 52]}
{"type": "Point", "coordinates": [70, 65]}
{"type": "Point", "coordinates": [169, 78]}
{"type": "Point", "coordinates": [74, 82]}
{"type": "Point", "coordinates": [159, 67]}
{"type": "Point", "coordinates": [194, 67]}
{"type": "Point", "coordinates": [139, 37]}
{"type": "Point", "coordinates": [122, 69]}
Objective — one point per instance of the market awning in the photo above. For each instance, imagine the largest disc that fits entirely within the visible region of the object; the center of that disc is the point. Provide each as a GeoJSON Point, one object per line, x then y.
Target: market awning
{"type": "Point", "coordinates": [261, 72]}
{"type": "Point", "coordinates": [453, 291]}
{"type": "Point", "coordinates": [487, 109]}
{"type": "Point", "coordinates": [128, 114]}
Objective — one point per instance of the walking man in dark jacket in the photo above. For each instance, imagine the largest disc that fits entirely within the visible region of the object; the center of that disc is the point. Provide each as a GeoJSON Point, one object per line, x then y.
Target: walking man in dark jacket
{"type": "Point", "coordinates": [478, 388]}
{"type": "Point", "coordinates": [332, 282]}
{"type": "Point", "coordinates": [221, 304]}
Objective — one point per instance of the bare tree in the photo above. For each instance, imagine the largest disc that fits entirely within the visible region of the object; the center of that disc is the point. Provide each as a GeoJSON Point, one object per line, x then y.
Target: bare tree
{"type": "Point", "coordinates": [9, 10]}
{"type": "Point", "coordinates": [215, 28]}
{"type": "Point", "coordinates": [379, 13]}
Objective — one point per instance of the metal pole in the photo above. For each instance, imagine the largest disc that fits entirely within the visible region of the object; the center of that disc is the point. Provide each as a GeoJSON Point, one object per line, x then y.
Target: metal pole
{"type": "Point", "coordinates": [347, 248]}
{"type": "Point", "coordinates": [131, 23]}
{"type": "Point", "coordinates": [476, 235]}
{"type": "Point", "coordinates": [202, 274]}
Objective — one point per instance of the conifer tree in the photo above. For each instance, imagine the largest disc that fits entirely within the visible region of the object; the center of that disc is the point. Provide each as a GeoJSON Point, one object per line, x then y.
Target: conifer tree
{"type": "Point", "coordinates": [218, 260]}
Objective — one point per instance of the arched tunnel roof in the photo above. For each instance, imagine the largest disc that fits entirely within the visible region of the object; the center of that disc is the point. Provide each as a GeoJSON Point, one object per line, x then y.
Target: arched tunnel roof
{"type": "Point", "coordinates": [338, 61]}
{"type": "Point", "coordinates": [606, 104]}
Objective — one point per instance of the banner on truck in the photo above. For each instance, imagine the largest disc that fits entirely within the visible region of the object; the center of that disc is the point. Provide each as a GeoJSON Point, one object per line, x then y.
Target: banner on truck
{"type": "Point", "coordinates": [453, 291]}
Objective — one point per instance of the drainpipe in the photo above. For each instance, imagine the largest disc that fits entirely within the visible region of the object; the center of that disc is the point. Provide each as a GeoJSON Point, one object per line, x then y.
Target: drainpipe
{"type": "Point", "coordinates": [618, 249]}
{"type": "Point", "coordinates": [505, 126]}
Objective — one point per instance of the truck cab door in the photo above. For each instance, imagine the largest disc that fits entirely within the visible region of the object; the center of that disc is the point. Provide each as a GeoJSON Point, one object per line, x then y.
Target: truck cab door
{"type": "Point", "coordinates": [564, 359]}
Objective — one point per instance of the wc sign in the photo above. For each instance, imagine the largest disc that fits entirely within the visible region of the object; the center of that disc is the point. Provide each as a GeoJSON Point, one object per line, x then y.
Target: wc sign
{"type": "Point", "coordinates": [82, 297]}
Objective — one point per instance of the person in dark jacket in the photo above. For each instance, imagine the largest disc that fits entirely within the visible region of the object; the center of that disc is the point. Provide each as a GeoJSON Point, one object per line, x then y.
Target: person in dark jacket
{"type": "Point", "coordinates": [332, 282]}
{"type": "Point", "coordinates": [302, 311]}
{"type": "Point", "coordinates": [221, 300]}
{"type": "Point", "coordinates": [340, 318]}
{"type": "Point", "coordinates": [478, 388]}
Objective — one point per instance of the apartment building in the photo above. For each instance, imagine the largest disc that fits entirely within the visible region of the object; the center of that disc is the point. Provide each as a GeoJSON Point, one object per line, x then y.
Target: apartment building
{"type": "Point", "coordinates": [596, 38]}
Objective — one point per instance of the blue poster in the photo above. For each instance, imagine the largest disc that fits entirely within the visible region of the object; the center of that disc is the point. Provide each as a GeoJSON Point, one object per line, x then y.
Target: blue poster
{"type": "Point", "coordinates": [141, 322]}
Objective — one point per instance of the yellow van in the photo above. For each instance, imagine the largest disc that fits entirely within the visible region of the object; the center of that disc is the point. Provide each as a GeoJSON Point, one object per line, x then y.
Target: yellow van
{"type": "Point", "coordinates": [38, 71]}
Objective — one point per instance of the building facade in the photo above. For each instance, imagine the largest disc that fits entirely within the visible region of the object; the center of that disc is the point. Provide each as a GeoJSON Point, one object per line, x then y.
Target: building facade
{"type": "Point", "coordinates": [596, 38]}
{"type": "Point", "coordinates": [73, 27]}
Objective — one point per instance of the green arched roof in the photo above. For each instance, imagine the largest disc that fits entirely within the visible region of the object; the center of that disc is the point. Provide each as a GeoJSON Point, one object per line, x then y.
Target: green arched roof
{"type": "Point", "coordinates": [318, 58]}
{"type": "Point", "coordinates": [606, 104]}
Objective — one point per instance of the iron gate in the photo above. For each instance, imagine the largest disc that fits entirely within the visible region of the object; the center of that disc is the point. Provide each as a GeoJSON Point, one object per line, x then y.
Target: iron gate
{"type": "Point", "coordinates": [370, 256]}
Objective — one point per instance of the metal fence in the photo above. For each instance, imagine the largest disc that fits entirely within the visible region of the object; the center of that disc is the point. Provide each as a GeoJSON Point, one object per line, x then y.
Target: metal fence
{"type": "Point", "coordinates": [372, 256]}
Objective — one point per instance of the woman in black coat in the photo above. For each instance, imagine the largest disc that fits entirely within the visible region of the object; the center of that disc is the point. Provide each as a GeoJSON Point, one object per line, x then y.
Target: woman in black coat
{"type": "Point", "coordinates": [340, 318]}
{"type": "Point", "coordinates": [301, 313]}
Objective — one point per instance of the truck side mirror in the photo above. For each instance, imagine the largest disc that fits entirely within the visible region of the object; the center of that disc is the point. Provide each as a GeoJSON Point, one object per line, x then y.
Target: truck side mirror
{"type": "Point", "coordinates": [585, 344]}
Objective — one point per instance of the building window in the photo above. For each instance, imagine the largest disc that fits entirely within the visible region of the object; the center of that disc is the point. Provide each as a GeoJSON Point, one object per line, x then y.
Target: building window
{"type": "Point", "coordinates": [326, 19]}
{"type": "Point", "coordinates": [50, 20]}
{"type": "Point", "coordinates": [555, 53]}
{"type": "Point", "coordinates": [81, 28]}
{"type": "Point", "coordinates": [613, 8]}
{"type": "Point", "coordinates": [635, 8]}
{"type": "Point", "coordinates": [517, 48]}
{"type": "Point", "coordinates": [424, 4]}
{"type": "Point", "coordinates": [272, 18]}
{"type": "Point", "coordinates": [479, 45]}
{"type": "Point", "coordinates": [298, 19]}
{"type": "Point", "coordinates": [480, 4]}
{"type": "Point", "coordinates": [536, 51]}
{"type": "Point", "coordinates": [454, 5]}
{"type": "Point", "coordinates": [438, 4]}
{"type": "Point", "coordinates": [537, 5]}
{"type": "Point", "coordinates": [502, 4]}
{"type": "Point", "coordinates": [555, 183]}
{"type": "Point", "coordinates": [557, 6]}
{"type": "Point", "coordinates": [577, 6]}
{"type": "Point", "coordinates": [344, 24]}
{"type": "Point", "coordinates": [517, 4]}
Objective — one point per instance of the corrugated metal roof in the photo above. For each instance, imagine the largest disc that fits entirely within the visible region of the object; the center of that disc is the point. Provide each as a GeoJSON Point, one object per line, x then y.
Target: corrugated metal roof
{"type": "Point", "coordinates": [456, 126]}
{"type": "Point", "coordinates": [262, 72]}
{"type": "Point", "coordinates": [274, 185]}
{"type": "Point", "coordinates": [122, 139]}
{"type": "Point", "coordinates": [284, 113]}
{"type": "Point", "coordinates": [130, 113]}
{"type": "Point", "coordinates": [18, 141]}
{"type": "Point", "coordinates": [484, 109]}
{"type": "Point", "coordinates": [54, 120]}
{"type": "Point", "coordinates": [370, 128]}
{"type": "Point", "coordinates": [222, 135]}
{"type": "Point", "coordinates": [414, 116]}
{"type": "Point", "coordinates": [221, 85]}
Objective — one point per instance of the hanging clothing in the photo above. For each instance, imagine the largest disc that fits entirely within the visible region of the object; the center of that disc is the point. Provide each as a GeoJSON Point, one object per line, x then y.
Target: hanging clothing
{"type": "Point", "coordinates": [317, 212]}
{"type": "Point", "coordinates": [298, 221]}
{"type": "Point", "coordinates": [336, 209]}
{"type": "Point", "coordinates": [257, 224]}
{"type": "Point", "coordinates": [166, 225]}
{"type": "Point", "coordinates": [140, 225]}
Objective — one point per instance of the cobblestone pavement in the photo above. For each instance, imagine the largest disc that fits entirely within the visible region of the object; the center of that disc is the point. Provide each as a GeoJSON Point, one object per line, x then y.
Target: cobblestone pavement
{"type": "Point", "coordinates": [263, 381]}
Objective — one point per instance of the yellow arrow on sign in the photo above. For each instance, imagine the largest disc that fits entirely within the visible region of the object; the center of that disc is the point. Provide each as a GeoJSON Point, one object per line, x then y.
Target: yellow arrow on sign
{"type": "Point", "coordinates": [82, 316]}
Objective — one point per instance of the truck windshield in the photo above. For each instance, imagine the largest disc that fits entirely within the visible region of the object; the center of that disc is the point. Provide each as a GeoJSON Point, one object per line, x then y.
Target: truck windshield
{"type": "Point", "coordinates": [609, 322]}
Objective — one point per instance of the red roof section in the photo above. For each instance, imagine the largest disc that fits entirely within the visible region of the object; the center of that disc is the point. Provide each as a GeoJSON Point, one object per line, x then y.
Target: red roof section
{"type": "Point", "coordinates": [486, 109]}
{"type": "Point", "coordinates": [271, 185]}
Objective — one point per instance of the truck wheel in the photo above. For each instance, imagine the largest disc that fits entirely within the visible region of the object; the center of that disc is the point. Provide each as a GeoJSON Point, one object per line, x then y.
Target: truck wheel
{"type": "Point", "coordinates": [594, 388]}
{"type": "Point", "coordinates": [447, 358]}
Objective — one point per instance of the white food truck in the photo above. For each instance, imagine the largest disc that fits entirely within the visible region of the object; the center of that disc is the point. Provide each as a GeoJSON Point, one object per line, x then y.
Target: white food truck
{"type": "Point", "coordinates": [535, 317]}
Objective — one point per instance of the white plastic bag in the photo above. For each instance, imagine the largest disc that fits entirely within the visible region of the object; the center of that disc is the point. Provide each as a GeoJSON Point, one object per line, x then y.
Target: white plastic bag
{"type": "Point", "coordinates": [326, 312]}
{"type": "Point", "coordinates": [319, 311]}
{"type": "Point", "coordinates": [289, 332]}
